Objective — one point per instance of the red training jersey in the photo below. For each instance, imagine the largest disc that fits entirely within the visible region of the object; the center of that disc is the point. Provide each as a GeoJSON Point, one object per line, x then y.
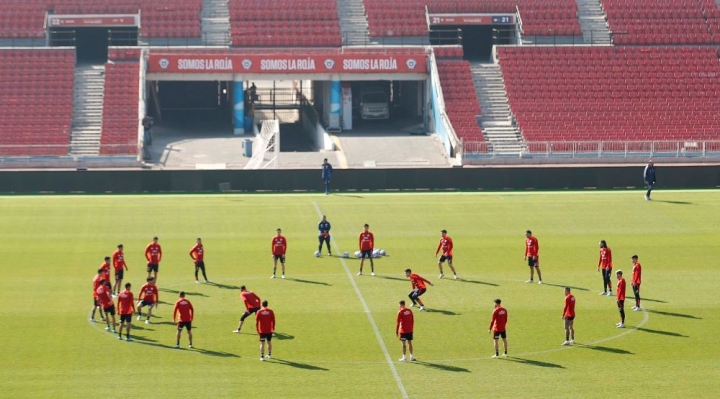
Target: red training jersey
{"type": "Point", "coordinates": [366, 241]}
{"type": "Point", "coordinates": [637, 272]}
{"type": "Point", "coordinates": [149, 292]}
{"type": "Point", "coordinates": [446, 244]}
{"type": "Point", "coordinates": [265, 321]}
{"type": "Point", "coordinates": [96, 283]}
{"type": "Point", "coordinates": [126, 303]}
{"type": "Point", "coordinates": [197, 253]}
{"type": "Point", "coordinates": [499, 319]}
{"type": "Point", "coordinates": [620, 292]}
{"type": "Point", "coordinates": [531, 246]}
{"type": "Point", "coordinates": [569, 310]}
{"type": "Point", "coordinates": [605, 260]}
{"type": "Point", "coordinates": [278, 245]}
{"type": "Point", "coordinates": [106, 271]}
{"type": "Point", "coordinates": [104, 295]}
{"type": "Point", "coordinates": [250, 299]}
{"type": "Point", "coordinates": [118, 260]}
{"type": "Point", "coordinates": [405, 321]}
{"type": "Point", "coordinates": [153, 253]}
{"type": "Point", "coordinates": [417, 281]}
{"type": "Point", "coordinates": [185, 308]}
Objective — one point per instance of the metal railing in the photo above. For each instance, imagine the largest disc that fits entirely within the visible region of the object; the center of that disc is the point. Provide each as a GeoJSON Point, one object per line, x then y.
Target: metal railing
{"type": "Point", "coordinates": [598, 149]}
{"type": "Point", "coordinates": [369, 41]}
{"type": "Point", "coordinates": [508, 37]}
{"type": "Point", "coordinates": [59, 152]}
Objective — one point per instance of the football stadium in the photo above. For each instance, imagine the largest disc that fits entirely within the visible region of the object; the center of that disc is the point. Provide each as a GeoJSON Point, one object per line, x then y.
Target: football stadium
{"type": "Point", "coordinates": [359, 198]}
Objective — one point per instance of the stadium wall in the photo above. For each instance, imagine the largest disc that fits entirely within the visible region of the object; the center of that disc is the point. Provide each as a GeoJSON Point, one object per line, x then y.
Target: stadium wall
{"type": "Point", "coordinates": [348, 180]}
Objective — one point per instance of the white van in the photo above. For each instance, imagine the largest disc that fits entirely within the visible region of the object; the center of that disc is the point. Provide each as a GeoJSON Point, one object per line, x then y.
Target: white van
{"type": "Point", "coordinates": [374, 104]}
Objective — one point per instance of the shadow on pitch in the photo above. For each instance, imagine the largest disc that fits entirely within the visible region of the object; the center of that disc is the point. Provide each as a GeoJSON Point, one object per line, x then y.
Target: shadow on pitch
{"type": "Point", "coordinates": [535, 363]}
{"type": "Point", "coordinates": [297, 365]}
{"type": "Point", "coordinates": [464, 280]}
{"type": "Point", "coordinates": [394, 278]}
{"type": "Point", "coordinates": [215, 353]}
{"type": "Point", "coordinates": [443, 367]}
{"type": "Point", "coordinates": [606, 349]}
{"type": "Point", "coordinates": [442, 311]}
{"type": "Point", "coordinates": [186, 292]}
{"type": "Point", "coordinates": [224, 286]}
{"type": "Point", "coordinates": [308, 281]}
{"type": "Point", "coordinates": [660, 332]}
{"type": "Point", "coordinates": [563, 286]}
{"type": "Point", "coordinates": [675, 202]}
{"type": "Point", "coordinates": [653, 300]}
{"type": "Point", "coordinates": [282, 336]}
{"type": "Point", "coordinates": [683, 315]}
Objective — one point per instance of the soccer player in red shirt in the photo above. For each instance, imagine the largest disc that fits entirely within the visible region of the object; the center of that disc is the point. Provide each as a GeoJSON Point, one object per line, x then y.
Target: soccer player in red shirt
{"type": "Point", "coordinates": [636, 280]}
{"type": "Point", "coordinates": [620, 295]}
{"type": "Point", "coordinates": [252, 305]}
{"type": "Point", "coordinates": [366, 242]}
{"type": "Point", "coordinates": [278, 246]}
{"type": "Point", "coordinates": [197, 253]}
{"type": "Point", "coordinates": [126, 308]}
{"type": "Point", "coordinates": [149, 296]}
{"type": "Point", "coordinates": [153, 254]}
{"type": "Point", "coordinates": [96, 302]}
{"type": "Point", "coordinates": [605, 262]}
{"type": "Point", "coordinates": [184, 308]}
{"type": "Point", "coordinates": [531, 255]}
{"type": "Point", "coordinates": [105, 266]}
{"type": "Point", "coordinates": [497, 326]}
{"type": "Point", "coordinates": [404, 330]}
{"type": "Point", "coordinates": [118, 262]}
{"type": "Point", "coordinates": [446, 244]}
{"type": "Point", "coordinates": [419, 288]}
{"type": "Point", "coordinates": [104, 294]}
{"type": "Point", "coordinates": [265, 326]}
{"type": "Point", "coordinates": [569, 317]}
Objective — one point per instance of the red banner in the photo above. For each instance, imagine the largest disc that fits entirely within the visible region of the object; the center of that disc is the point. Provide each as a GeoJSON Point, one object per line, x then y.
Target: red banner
{"type": "Point", "coordinates": [89, 20]}
{"type": "Point", "coordinates": [193, 63]}
{"type": "Point", "coordinates": [472, 19]}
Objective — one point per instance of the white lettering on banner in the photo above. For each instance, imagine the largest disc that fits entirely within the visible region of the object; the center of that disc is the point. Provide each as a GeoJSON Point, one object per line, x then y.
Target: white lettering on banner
{"type": "Point", "coordinates": [302, 64]}
{"type": "Point", "coordinates": [384, 64]}
{"type": "Point", "coordinates": [225, 64]}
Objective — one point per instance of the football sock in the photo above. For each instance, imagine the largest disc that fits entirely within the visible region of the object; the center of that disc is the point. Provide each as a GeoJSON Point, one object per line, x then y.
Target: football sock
{"type": "Point", "coordinates": [622, 316]}
{"type": "Point", "coordinates": [496, 353]}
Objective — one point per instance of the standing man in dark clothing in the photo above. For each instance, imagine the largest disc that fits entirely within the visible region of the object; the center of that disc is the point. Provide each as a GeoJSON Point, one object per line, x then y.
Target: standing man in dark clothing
{"type": "Point", "coordinates": [148, 123]}
{"type": "Point", "coordinates": [326, 175]}
{"type": "Point", "coordinates": [324, 235]}
{"type": "Point", "coordinates": [649, 177]}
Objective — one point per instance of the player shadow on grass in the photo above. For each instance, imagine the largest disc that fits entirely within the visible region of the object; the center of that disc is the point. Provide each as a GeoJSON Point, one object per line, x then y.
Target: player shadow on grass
{"type": "Point", "coordinates": [563, 286]}
{"type": "Point", "coordinates": [282, 336]}
{"type": "Point", "coordinates": [297, 365]}
{"type": "Point", "coordinates": [442, 311]}
{"type": "Point", "coordinates": [225, 286]}
{"type": "Point", "coordinates": [536, 363]}
{"type": "Point", "coordinates": [394, 278]}
{"type": "Point", "coordinates": [683, 315]}
{"type": "Point", "coordinates": [214, 353]}
{"type": "Point", "coordinates": [443, 367]}
{"type": "Point", "coordinates": [653, 300]}
{"type": "Point", "coordinates": [308, 281]}
{"type": "Point", "coordinates": [464, 280]}
{"type": "Point", "coordinates": [675, 202]}
{"type": "Point", "coordinates": [669, 333]}
{"type": "Point", "coordinates": [606, 349]}
{"type": "Point", "coordinates": [177, 292]}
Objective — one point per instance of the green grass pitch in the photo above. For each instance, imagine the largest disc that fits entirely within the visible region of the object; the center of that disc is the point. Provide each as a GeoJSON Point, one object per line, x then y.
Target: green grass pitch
{"type": "Point", "coordinates": [326, 344]}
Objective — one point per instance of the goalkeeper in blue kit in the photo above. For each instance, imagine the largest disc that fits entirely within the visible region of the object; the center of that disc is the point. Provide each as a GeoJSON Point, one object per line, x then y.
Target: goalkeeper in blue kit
{"type": "Point", "coordinates": [324, 235]}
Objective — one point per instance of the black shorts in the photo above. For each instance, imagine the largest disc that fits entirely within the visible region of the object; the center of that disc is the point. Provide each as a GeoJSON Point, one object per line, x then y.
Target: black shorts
{"type": "Point", "coordinates": [119, 274]}
{"type": "Point", "coordinates": [153, 267]}
{"type": "Point", "coordinates": [281, 258]}
{"type": "Point", "coordinates": [322, 238]}
{"type": "Point", "coordinates": [266, 337]}
{"type": "Point", "coordinates": [636, 287]}
{"type": "Point", "coordinates": [250, 311]}
{"type": "Point", "coordinates": [445, 258]}
{"type": "Point", "coordinates": [110, 310]}
{"type": "Point", "coordinates": [186, 324]}
{"type": "Point", "coordinates": [499, 334]}
{"type": "Point", "coordinates": [569, 318]}
{"type": "Point", "coordinates": [621, 303]}
{"type": "Point", "coordinates": [125, 318]}
{"type": "Point", "coordinates": [96, 302]}
{"type": "Point", "coordinates": [200, 265]}
{"type": "Point", "coordinates": [418, 291]}
{"type": "Point", "coordinates": [366, 253]}
{"type": "Point", "coordinates": [406, 336]}
{"type": "Point", "coordinates": [533, 261]}
{"type": "Point", "coordinates": [147, 303]}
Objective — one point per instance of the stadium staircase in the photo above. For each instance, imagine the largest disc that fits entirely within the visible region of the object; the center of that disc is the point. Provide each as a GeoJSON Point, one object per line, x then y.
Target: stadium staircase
{"type": "Point", "coordinates": [593, 23]}
{"type": "Point", "coordinates": [87, 109]}
{"type": "Point", "coordinates": [496, 120]}
{"type": "Point", "coordinates": [215, 23]}
{"type": "Point", "coordinates": [353, 22]}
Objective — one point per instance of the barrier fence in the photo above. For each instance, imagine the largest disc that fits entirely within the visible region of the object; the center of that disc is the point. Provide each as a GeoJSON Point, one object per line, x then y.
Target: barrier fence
{"type": "Point", "coordinates": [63, 151]}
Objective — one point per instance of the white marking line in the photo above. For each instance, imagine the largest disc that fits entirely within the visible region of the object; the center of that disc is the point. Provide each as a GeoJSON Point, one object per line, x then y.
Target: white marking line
{"type": "Point", "coordinates": [369, 315]}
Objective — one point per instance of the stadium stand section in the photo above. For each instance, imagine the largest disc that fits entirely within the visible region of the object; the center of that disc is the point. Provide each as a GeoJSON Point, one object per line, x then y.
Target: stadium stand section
{"type": "Point", "coordinates": [662, 21]}
{"type": "Point", "coordinates": [407, 17]}
{"type": "Point", "coordinates": [461, 103]}
{"type": "Point", "coordinates": [36, 96]}
{"type": "Point", "coordinates": [120, 108]}
{"type": "Point", "coordinates": [178, 19]}
{"type": "Point", "coordinates": [284, 23]}
{"type": "Point", "coordinates": [607, 93]}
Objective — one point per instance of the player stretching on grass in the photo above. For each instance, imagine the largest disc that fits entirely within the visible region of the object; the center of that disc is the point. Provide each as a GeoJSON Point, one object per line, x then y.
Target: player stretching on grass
{"type": "Point", "coordinates": [278, 246]}
{"type": "Point", "coordinates": [605, 262]}
{"type": "Point", "coordinates": [497, 326]}
{"type": "Point", "coordinates": [636, 279]}
{"type": "Point", "coordinates": [153, 254]}
{"type": "Point", "coordinates": [620, 295]}
{"type": "Point", "coordinates": [265, 326]}
{"type": "Point", "coordinates": [569, 317]}
{"type": "Point", "coordinates": [126, 308]}
{"type": "Point", "coordinates": [118, 262]}
{"type": "Point", "coordinates": [531, 255]}
{"type": "Point", "coordinates": [418, 284]}
{"type": "Point", "coordinates": [252, 305]}
{"type": "Point", "coordinates": [366, 242]}
{"type": "Point", "coordinates": [148, 296]}
{"type": "Point", "coordinates": [105, 298]}
{"type": "Point", "coordinates": [404, 330]}
{"type": "Point", "coordinates": [184, 308]}
{"type": "Point", "coordinates": [197, 253]}
{"type": "Point", "coordinates": [446, 244]}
